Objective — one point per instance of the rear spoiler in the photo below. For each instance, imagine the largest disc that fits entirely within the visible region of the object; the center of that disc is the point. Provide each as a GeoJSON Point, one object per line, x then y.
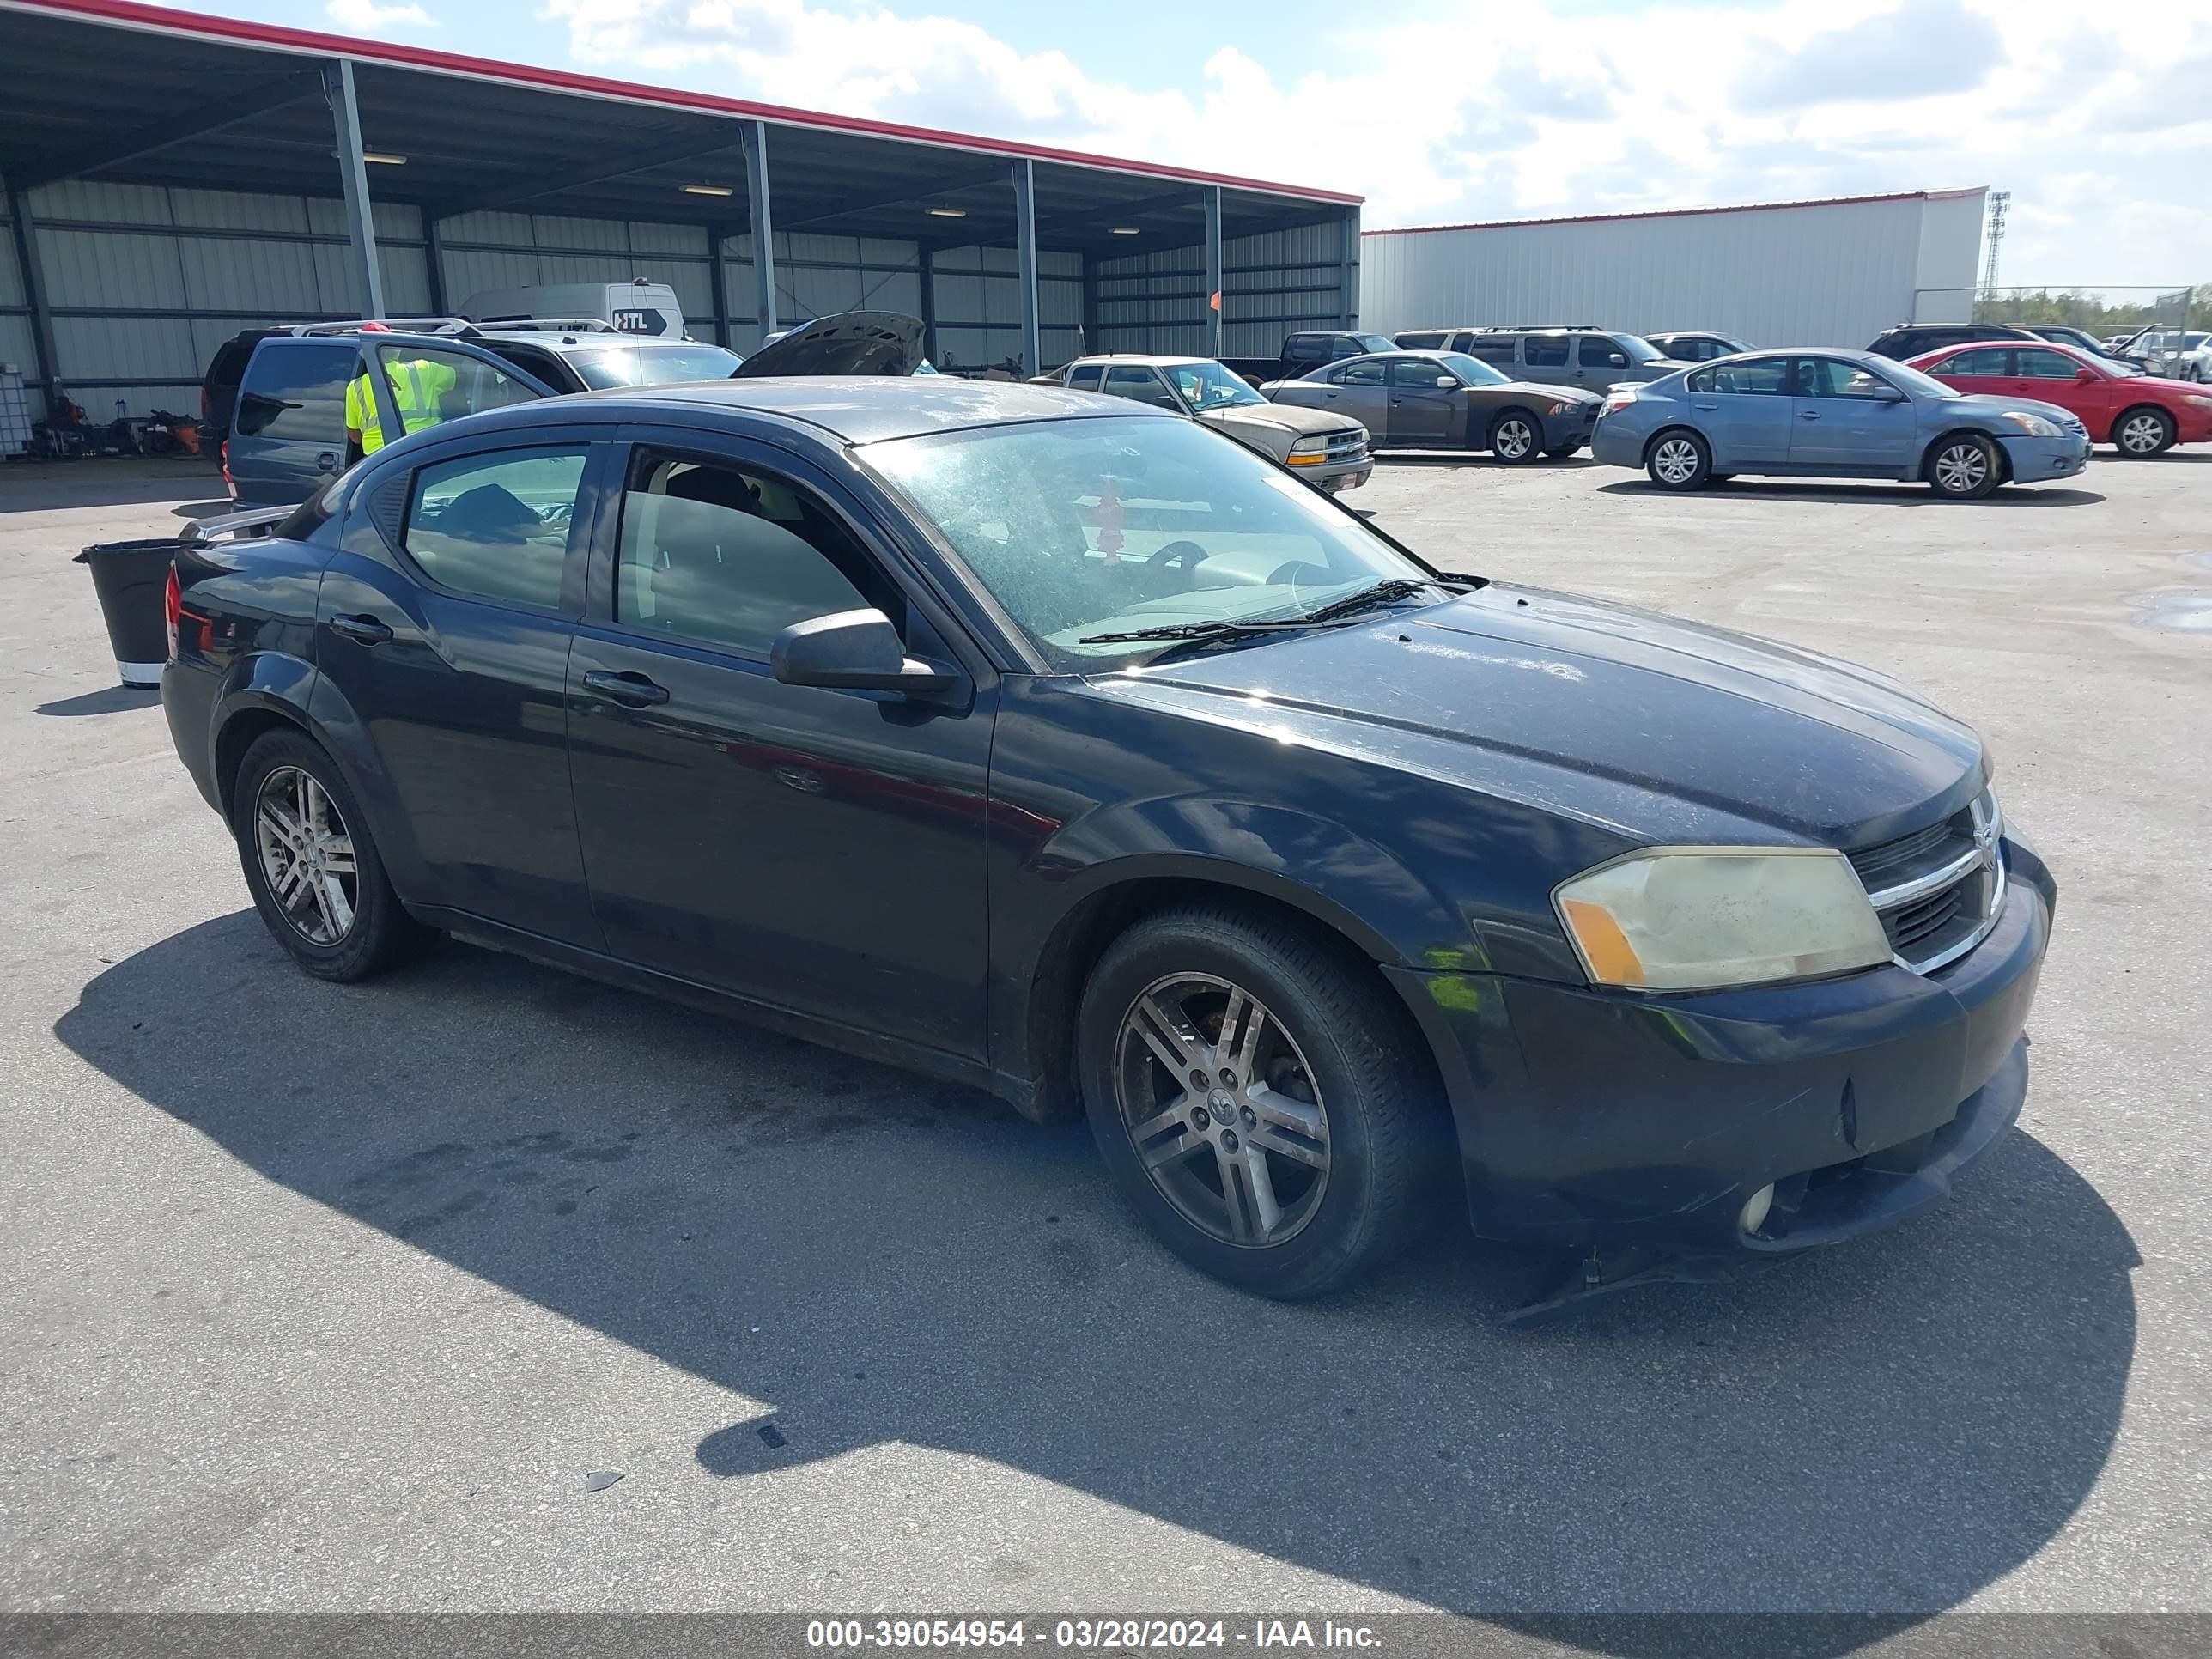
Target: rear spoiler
{"type": "Point", "coordinates": [233, 526]}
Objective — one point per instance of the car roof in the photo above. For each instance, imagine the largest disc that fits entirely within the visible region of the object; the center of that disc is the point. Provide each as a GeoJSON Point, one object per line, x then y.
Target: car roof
{"type": "Point", "coordinates": [558, 340]}
{"type": "Point", "coordinates": [1157, 360]}
{"type": "Point", "coordinates": [857, 408]}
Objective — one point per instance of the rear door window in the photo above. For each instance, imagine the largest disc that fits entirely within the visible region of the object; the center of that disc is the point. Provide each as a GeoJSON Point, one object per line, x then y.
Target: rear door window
{"type": "Point", "coordinates": [1545, 351]}
{"type": "Point", "coordinates": [1762, 377]}
{"type": "Point", "coordinates": [1492, 349]}
{"type": "Point", "coordinates": [1987, 361]}
{"type": "Point", "coordinates": [1368, 371]}
{"type": "Point", "coordinates": [1424, 341]}
{"type": "Point", "coordinates": [496, 525]}
{"type": "Point", "coordinates": [295, 391]}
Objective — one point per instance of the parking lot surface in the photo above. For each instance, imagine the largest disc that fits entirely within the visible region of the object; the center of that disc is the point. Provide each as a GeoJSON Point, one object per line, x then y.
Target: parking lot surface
{"type": "Point", "coordinates": [323, 1297]}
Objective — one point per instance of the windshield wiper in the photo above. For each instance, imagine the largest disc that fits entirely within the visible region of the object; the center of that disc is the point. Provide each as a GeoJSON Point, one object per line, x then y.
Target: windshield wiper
{"type": "Point", "coordinates": [1203, 630]}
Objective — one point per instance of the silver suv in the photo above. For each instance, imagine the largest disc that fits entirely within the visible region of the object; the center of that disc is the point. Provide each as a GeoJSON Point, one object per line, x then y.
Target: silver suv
{"type": "Point", "coordinates": [1592, 358]}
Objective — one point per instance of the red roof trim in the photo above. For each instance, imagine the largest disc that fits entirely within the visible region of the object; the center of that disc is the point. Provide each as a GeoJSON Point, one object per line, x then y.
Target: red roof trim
{"type": "Point", "coordinates": [1686, 213]}
{"type": "Point", "coordinates": [128, 13]}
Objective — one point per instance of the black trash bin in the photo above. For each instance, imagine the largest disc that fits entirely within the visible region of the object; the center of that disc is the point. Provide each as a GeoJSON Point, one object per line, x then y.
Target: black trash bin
{"type": "Point", "coordinates": [132, 580]}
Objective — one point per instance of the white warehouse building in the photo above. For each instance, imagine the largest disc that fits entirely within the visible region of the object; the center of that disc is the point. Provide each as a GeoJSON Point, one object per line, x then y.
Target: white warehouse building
{"type": "Point", "coordinates": [1833, 273]}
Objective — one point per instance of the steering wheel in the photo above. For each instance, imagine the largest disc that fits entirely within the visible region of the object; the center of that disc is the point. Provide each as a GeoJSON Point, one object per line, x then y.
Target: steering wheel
{"type": "Point", "coordinates": [1184, 556]}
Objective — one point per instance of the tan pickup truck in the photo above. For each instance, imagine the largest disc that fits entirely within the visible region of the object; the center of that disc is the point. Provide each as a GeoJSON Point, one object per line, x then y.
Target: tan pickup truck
{"type": "Point", "coordinates": [1327, 449]}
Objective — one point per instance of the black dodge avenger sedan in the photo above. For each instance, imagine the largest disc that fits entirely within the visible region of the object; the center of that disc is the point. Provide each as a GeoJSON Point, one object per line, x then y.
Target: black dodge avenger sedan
{"type": "Point", "coordinates": [1059, 746]}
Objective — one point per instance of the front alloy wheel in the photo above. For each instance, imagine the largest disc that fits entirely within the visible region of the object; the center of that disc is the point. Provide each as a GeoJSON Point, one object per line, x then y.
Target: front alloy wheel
{"type": "Point", "coordinates": [2143, 432]}
{"type": "Point", "coordinates": [1965, 468]}
{"type": "Point", "coordinates": [1223, 1109]}
{"type": "Point", "coordinates": [307, 855]}
{"type": "Point", "coordinates": [1513, 438]}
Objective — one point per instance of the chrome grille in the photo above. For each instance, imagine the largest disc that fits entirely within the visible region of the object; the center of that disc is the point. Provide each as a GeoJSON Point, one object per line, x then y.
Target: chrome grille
{"type": "Point", "coordinates": [1938, 890]}
{"type": "Point", "coordinates": [1348, 445]}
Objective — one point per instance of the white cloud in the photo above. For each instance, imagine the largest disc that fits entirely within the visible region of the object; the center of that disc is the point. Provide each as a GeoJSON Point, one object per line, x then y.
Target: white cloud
{"type": "Point", "coordinates": [367, 17]}
{"type": "Point", "coordinates": [1676, 105]}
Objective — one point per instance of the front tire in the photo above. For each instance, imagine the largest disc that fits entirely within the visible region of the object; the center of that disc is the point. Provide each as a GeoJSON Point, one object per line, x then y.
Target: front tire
{"type": "Point", "coordinates": [1679, 460]}
{"type": "Point", "coordinates": [1515, 437]}
{"type": "Point", "coordinates": [1563, 452]}
{"type": "Point", "coordinates": [1965, 467]}
{"type": "Point", "coordinates": [311, 866]}
{"type": "Point", "coordinates": [2142, 432]}
{"type": "Point", "coordinates": [1256, 1100]}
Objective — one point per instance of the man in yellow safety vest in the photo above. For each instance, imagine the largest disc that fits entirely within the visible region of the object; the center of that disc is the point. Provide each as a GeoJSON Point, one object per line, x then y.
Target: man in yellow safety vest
{"type": "Point", "coordinates": [418, 385]}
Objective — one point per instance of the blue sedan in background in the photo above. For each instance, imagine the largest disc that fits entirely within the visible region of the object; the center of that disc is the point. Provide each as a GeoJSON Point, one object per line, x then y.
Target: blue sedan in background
{"type": "Point", "coordinates": [1833, 414]}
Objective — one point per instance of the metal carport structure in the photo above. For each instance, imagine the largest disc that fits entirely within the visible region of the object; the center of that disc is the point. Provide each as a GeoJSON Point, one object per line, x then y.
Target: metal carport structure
{"type": "Point", "coordinates": [166, 171]}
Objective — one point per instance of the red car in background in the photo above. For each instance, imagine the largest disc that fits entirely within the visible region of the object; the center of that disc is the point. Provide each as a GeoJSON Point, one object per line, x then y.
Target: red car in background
{"type": "Point", "coordinates": [2138, 414]}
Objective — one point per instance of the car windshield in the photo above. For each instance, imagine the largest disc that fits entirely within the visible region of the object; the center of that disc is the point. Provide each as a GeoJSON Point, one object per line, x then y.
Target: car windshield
{"type": "Point", "coordinates": [1919, 384]}
{"type": "Point", "coordinates": [653, 365]}
{"type": "Point", "coordinates": [1639, 351]}
{"type": "Point", "coordinates": [1472, 370]}
{"type": "Point", "coordinates": [1080, 528]}
{"type": "Point", "coordinates": [1374, 342]}
{"type": "Point", "coordinates": [1209, 386]}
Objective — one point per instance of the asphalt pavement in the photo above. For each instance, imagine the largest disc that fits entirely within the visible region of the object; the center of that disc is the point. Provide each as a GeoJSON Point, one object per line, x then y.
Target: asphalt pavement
{"type": "Point", "coordinates": [322, 1297]}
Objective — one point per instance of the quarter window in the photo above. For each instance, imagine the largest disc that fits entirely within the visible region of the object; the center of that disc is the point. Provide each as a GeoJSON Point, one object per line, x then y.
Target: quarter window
{"type": "Point", "coordinates": [1368, 371]}
{"type": "Point", "coordinates": [495, 526]}
{"type": "Point", "coordinates": [1596, 351]}
{"type": "Point", "coordinates": [1085, 377]}
{"type": "Point", "coordinates": [296, 392]}
{"type": "Point", "coordinates": [730, 557]}
{"type": "Point", "coordinates": [1545, 351]}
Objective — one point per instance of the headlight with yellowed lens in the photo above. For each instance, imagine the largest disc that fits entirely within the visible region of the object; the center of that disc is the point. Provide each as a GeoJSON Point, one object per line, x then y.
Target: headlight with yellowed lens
{"type": "Point", "coordinates": [1702, 918]}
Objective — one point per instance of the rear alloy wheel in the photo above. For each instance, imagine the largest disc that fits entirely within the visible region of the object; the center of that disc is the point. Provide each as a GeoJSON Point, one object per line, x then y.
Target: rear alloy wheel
{"type": "Point", "coordinates": [1257, 1101]}
{"type": "Point", "coordinates": [1679, 460]}
{"type": "Point", "coordinates": [1515, 437]}
{"type": "Point", "coordinates": [2142, 432]}
{"type": "Point", "coordinates": [311, 865]}
{"type": "Point", "coordinates": [1965, 467]}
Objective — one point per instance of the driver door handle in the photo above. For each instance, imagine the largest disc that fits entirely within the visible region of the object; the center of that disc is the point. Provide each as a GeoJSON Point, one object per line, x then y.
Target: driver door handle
{"type": "Point", "coordinates": [1708, 408]}
{"type": "Point", "coordinates": [631, 691]}
{"type": "Point", "coordinates": [361, 631]}
{"type": "Point", "coordinates": [1809, 414]}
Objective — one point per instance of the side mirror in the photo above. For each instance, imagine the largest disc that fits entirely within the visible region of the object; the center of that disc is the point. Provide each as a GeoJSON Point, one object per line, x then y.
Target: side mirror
{"type": "Point", "coordinates": [1445, 383]}
{"type": "Point", "coordinates": [857, 651]}
{"type": "Point", "coordinates": [1888, 394]}
{"type": "Point", "coordinates": [2085, 374]}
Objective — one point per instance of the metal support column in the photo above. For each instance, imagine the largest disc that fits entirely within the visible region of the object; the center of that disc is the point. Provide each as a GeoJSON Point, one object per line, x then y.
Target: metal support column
{"type": "Point", "coordinates": [1025, 264]}
{"type": "Point", "coordinates": [34, 294]}
{"type": "Point", "coordinates": [433, 251]}
{"type": "Point", "coordinates": [1347, 270]}
{"type": "Point", "coordinates": [718, 243]}
{"type": "Point", "coordinates": [1216, 300]}
{"type": "Point", "coordinates": [927, 261]}
{"type": "Point", "coordinates": [1092, 340]}
{"type": "Point", "coordinates": [755, 147]}
{"type": "Point", "coordinates": [353, 175]}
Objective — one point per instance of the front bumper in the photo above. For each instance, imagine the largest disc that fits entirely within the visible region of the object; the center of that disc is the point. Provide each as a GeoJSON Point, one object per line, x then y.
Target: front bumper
{"type": "Point", "coordinates": [2038, 460]}
{"type": "Point", "coordinates": [1592, 1119]}
{"type": "Point", "coordinates": [1575, 427]}
{"type": "Point", "coordinates": [1334, 475]}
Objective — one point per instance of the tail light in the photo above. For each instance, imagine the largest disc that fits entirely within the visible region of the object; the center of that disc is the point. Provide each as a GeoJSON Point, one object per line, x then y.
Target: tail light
{"type": "Point", "coordinates": [1618, 400]}
{"type": "Point", "coordinates": [172, 609]}
{"type": "Point", "coordinates": [228, 483]}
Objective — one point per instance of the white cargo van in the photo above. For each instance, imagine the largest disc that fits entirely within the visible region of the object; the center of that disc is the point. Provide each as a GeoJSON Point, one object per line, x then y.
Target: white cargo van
{"type": "Point", "coordinates": [637, 308]}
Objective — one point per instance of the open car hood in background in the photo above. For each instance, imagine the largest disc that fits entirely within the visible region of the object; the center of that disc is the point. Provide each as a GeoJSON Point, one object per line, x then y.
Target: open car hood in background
{"type": "Point", "coordinates": [850, 343]}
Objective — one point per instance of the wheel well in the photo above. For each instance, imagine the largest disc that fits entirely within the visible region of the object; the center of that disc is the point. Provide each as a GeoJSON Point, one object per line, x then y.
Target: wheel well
{"type": "Point", "coordinates": [1085, 932]}
{"type": "Point", "coordinates": [1928, 455]}
{"type": "Point", "coordinates": [1652, 442]}
{"type": "Point", "coordinates": [2142, 409]}
{"type": "Point", "coordinates": [237, 737]}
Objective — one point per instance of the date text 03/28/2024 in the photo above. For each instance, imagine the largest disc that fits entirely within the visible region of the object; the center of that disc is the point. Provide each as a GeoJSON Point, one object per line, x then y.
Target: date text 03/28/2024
{"type": "Point", "coordinates": [1086, 1635]}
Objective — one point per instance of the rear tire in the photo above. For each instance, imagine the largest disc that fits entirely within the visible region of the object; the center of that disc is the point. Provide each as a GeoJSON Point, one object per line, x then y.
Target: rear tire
{"type": "Point", "coordinates": [1679, 460]}
{"type": "Point", "coordinates": [2142, 432]}
{"type": "Point", "coordinates": [1964, 467]}
{"type": "Point", "coordinates": [1306, 1159]}
{"type": "Point", "coordinates": [311, 865]}
{"type": "Point", "coordinates": [1515, 437]}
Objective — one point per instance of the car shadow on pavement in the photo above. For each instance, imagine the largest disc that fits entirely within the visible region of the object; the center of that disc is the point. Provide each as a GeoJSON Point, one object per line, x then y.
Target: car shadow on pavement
{"type": "Point", "coordinates": [1884, 1428]}
{"type": "Point", "coordinates": [108, 700]}
{"type": "Point", "coordinates": [1904, 494]}
{"type": "Point", "coordinates": [203, 509]}
{"type": "Point", "coordinates": [1451, 460]}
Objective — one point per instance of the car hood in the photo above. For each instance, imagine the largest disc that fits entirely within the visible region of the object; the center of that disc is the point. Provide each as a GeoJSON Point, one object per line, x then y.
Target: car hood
{"type": "Point", "coordinates": [1657, 728]}
{"type": "Point", "coordinates": [1557, 394]}
{"type": "Point", "coordinates": [1287, 417]}
{"type": "Point", "coordinates": [2167, 385]}
{"type": "Point", "coordinates": [1994, 404]}
{"type": "Point", "coordinates": [850, 343]}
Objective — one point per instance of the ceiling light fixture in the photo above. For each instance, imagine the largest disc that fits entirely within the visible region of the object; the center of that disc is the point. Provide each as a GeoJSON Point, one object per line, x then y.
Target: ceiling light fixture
{"type": "Point", "coordinates": [708, 190]}
{"type": "Point", "coordinates": [384, 157]}
{"type": "Point", "coordinates": [946, 213]}
{"type": "Point", "coordinates": [1127, 230]}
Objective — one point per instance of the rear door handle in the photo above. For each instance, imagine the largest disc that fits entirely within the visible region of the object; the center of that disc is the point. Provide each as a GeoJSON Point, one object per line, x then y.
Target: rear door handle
{"type": "Point", "coordinates": [1809, 414]}
{"type": "Point", "coordinates": [1708, 408]}
{"type": "Point", "coordinates": [361, 631]}
{"type": "Point", "coordinates": [631, 691]}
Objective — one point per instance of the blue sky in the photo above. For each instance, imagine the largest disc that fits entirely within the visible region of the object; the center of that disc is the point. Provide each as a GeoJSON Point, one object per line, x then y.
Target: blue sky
{"type": "Point", "coordinates": [1448, 110]}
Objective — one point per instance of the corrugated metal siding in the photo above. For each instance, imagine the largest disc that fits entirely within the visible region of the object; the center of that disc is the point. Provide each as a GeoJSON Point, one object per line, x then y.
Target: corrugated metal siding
{"type": "Point", "coordinates": [496, 250]}
{"type": "Point", "coordinates": [1271, 284]}
{"type": "Point", "coordinates": [1835, 274]}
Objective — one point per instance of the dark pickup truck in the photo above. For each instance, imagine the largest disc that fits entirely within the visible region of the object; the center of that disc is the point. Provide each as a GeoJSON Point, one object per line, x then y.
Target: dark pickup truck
{"type": "Point", "coordinates": [1307, 349]}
